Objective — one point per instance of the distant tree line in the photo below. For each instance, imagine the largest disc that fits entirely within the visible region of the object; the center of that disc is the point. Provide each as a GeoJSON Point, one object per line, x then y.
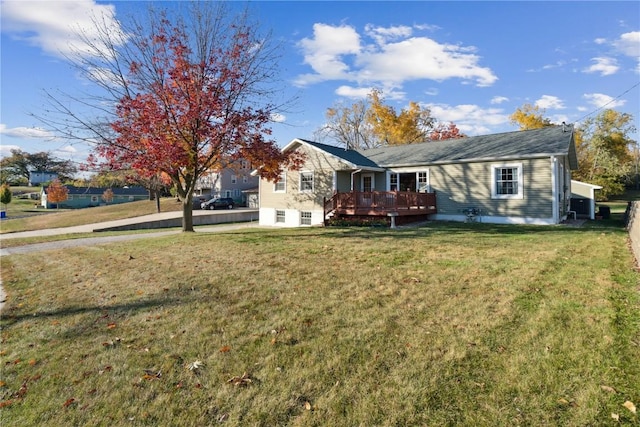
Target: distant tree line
{"type": "Point", "coordinates": [15, 169]}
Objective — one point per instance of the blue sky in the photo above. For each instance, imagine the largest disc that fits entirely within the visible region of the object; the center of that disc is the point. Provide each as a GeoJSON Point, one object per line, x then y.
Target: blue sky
{"type": "Point", "coordinates": [472, 63]}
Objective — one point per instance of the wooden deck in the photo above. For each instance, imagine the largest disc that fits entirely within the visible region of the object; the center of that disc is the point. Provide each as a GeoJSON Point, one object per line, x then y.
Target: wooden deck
{"type": "Point", "coordinates": [380, 203]}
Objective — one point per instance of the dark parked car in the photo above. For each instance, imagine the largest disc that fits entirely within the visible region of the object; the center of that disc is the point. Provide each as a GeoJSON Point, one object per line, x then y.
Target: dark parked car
{"type": "Point", "coordinates": [217, 203]}
{"type": "Point", "coordinates": [198, 201]}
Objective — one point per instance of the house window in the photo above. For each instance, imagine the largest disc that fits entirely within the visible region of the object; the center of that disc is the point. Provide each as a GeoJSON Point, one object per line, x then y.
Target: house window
{"type": "Point", "coordinates": [131, 198]}
{"type": "Point", "coordinates": [245, 179]}
{"type": "Point", "coordinates": [507, 181]}
{"type": "Point", "coordinates": [280, 217]}
{"type": "Point", "coordinates": [236, 193]}
{"type": "Point", "coordinates": [227, 193]}
{"type": "Point", "coordinates": [393, 182]}
{"type": "Point", "coordinates": [94, 199]}
{"type": "Point", "coordinates": [70, 197]}
{"type": "Point", "coordinates": [305, 218]}
{"type": "Point", "coordinates": [423, 182]}
{"type": "Point", "coordinates": [280, 185]}
{"type": "Point", "coordinates": [234, 179]}
{"type": "Point", "coordinates": [306, 181]}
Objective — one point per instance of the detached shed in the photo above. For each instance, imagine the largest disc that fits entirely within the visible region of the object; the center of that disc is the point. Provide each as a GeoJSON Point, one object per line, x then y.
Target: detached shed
{"type": "Point", "coordinates": [583, 199]}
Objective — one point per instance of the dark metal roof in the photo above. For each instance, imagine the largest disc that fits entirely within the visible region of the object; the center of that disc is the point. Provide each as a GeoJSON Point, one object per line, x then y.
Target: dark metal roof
{"type": "Point", "coordinates": [535, 143]}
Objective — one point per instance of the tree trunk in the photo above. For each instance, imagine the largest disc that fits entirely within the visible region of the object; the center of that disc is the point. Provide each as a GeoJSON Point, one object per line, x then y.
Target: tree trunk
{"type": "Point", "coordinates": [157, 201]}
{"type": "Point", "coordinates": [187, 214]}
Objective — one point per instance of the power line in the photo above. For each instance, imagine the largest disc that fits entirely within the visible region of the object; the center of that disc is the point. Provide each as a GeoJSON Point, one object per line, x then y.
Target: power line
{"type": "Point", "coordinates": [612, 100]}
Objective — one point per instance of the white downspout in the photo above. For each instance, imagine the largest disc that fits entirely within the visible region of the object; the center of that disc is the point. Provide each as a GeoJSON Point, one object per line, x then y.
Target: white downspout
{"type": "Point", "coordinates": [352, 174]}
{"type": "Point", "coordinates": [554, 189]}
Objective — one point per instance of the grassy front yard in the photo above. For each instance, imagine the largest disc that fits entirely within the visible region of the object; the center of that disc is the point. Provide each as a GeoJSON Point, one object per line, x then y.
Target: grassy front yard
{"type": "Point", "coordinates": [449, 324]}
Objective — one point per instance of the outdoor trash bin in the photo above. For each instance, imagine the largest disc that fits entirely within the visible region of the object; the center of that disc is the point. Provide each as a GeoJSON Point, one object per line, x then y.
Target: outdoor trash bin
{"type": "Point", "coordinates": [604, 212]}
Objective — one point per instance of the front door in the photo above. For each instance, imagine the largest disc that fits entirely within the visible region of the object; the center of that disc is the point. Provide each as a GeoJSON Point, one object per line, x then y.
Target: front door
{"type": "Point", "coordinates": [367, 183]}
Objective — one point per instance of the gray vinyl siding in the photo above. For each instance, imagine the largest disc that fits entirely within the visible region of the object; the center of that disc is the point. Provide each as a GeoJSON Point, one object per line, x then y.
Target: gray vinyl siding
{"type": "Point", "coordinates": [465, 185]}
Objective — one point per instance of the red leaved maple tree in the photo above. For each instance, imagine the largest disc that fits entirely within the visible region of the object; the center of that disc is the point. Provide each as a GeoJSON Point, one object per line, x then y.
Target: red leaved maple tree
{"type": "Point", "coordinates": [56, 192]}
{"type": "Point", "coordinates": [443, 131]}
{"type": "Point", "coordinates": [194, 100]}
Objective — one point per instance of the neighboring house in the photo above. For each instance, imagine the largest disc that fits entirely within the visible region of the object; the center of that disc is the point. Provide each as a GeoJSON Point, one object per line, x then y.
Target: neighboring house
{"type": "Point", "coordinates": [583, 199]}
{"type": "Point", "coordinates": [85, 197]}
{"type": "Point", "coordinates": [230, 182]}
{"type": "Point", "coordinates": [521, 177]}
{"type": "Point", "coordinates": [41, 177]}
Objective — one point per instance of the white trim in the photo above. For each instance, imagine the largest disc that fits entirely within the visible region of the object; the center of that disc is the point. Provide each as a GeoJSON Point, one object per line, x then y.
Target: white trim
{"type": "Point", "coordinates": [494, 192]}
{"type": "Point", "coordinates": [495, 219]}
{"type": "Point", "coordinates": [313, 184]}
{"type": "Point", "coordinates": [283, 177]}
{"type": "Point", "coordinates": [554, 189]}
{"type": "Point", "coordinates": [373, 181]}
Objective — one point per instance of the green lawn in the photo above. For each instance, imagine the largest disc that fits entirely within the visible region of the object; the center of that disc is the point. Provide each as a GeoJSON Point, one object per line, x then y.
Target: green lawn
{"type": "Point", "coordinates": [447, 324]}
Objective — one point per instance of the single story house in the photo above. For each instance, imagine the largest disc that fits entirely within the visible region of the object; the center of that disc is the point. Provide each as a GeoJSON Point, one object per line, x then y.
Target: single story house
{"type": "Point", "coordinates": [85, 197]}
{"type": "Point", "coordinates": [521, 177]}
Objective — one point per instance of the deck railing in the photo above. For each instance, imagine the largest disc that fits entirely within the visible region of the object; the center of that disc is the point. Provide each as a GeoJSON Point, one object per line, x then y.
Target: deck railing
{"type": "Point", "coordinates": [381, 203]}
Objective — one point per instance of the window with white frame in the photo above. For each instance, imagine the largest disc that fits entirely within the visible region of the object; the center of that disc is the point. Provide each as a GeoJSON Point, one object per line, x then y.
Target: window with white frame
{"type": "Point", "coordinates": [70, 197]}
{"type": "Point", "coordinates": [393, 182]}
{"type": "Point", "coordinates": [234, 179]}
{"type": "Point", "coordinates": [245, 179]}
{"type": "Point", "coordinates": [94, 199]}
{"type": "Point", "coordinates": [423, 182]}
{"type": "Point", "coordinates": [281, 184]}
{"type": "Point", "coordinates": [305, 218]}
{"type": "Point", "coordinates": [280, 218]}
{"type": "Point", "coordinates": [306, 181]}
{"type": "Point", "coordinates": [507, 181]}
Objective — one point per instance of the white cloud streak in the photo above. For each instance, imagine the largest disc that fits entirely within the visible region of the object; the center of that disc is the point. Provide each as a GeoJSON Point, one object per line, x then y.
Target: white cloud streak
{"type": "Point", "coordinates": [550, 102]}
{"type": "Point", "coordinates": [26, 133]}
{"type": "Point", "coordinates": [54, 26]}
{"type": "Point", "coordinates": [600, 100]}
{"type": "Point", "coordinates": [603, 65]}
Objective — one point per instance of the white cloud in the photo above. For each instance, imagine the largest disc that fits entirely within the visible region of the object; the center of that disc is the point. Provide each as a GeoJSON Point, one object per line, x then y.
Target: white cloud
{"type": "Point", "coordinates": [25, 132]}
{"type": "Point", "coordinates": [337, 53]}
{"type": "Point", "coordinates": [600, 100]}
{"type": "Point", "coordinates": [53, 26]}
{"type": "Point", "coordinates": [600, 40]}
{"type": "Point", "coordinates": [278, 118]}
{"type": "Point", "coordinates": [552, 102]}
{"type": "Point", "coordinates": [499, 99]}
{"type": "Point", "coordinates": [603, 65]}
{"type": "Point", "coordinates": [353, 92]}
{"type": "Point", "coordinates": [325, 50]}
{"type": "Point", "coordinates": [5, 150]}
{"type": "Point", "coordinates": [629, 44]}
{"type": "Point", "coordinates": [470, 119]}
{"type": "Point", "coordinates": [67, 149]}
{"type": "Point", "coordinates": [383, 34]}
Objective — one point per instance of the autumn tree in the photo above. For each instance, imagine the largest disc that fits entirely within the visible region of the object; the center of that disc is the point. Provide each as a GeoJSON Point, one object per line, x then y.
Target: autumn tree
{"type": "Point", "coordinates": [56, 192]}
{"type": "Point", "coordinates": [192, 93]}
{"type": "Point", "coordinates": [107, 195]}
{"type": "Point", "coordinates": [442, 131]}
{"type": "Point", "coordinates": [5, 195]}
{"type": "Point", "coordinates": [606, 151]}
{"type": "Point", "coordinates": [348, 126]}
{"type": "Point", "coordinates": [530, 117]}
{"type": "Point", "coordinates": [410, 125]}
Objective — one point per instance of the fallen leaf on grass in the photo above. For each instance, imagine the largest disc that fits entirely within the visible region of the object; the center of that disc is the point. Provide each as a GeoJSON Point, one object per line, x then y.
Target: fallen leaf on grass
{"type": "Point", "coordinates": [32, 362]}
{"type": "Point", "coordinates": [69, 402]}
{"type": "Point", "coordinates": [151, 375]}
{"type": "Point", "coordinates": [607, 388]}
{"type": "Point", "coordinates": [630, 406]}
{"type": "Point", "coordinates": [6, 403]}
{"type": "Point", "coordinates": [225, 349]}
{"type": "Point", "coordinates": [244, 380]}
{"type": "Point", "coordinates": [111, 325]}
{"type": "Point", "coordinates": [615, 416]}
{"type": "Point", "coordinates": [307, 406]}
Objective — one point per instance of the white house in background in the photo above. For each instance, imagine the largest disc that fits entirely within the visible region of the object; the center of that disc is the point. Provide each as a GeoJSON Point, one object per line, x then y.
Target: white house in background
{"type": "Point", "coordinates": [521, 177]}
{"type": "Point", "coordinates": [583, 199]}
